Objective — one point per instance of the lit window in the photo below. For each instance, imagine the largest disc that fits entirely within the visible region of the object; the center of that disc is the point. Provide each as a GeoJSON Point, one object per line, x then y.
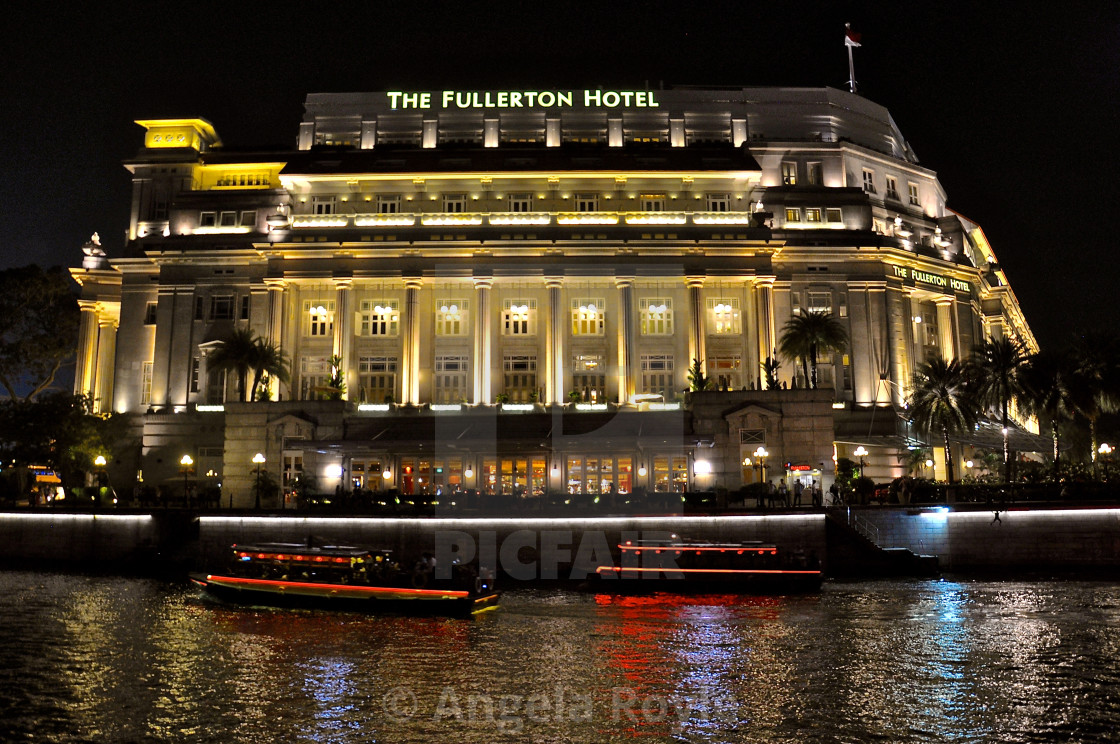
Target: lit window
{"type": "Point", "coordinates": [815, 174]}
{"type": "Point", "coordinates": [656, 316]}
{"type": "Point", "coordinates": [320, 318]}
{"type": "Point", "coordinates": [589, 378]}
{"type": "Point", "coordinates": [377, 376]}
{"type": "Point", "coordinates": [789, 174]}
{"type": "Point", "coordinates": [323, 205]}
{"type": "Point", "coordinates": [456, 203]}
{"type": "Point", "coordinates": [724, 371]}
{"type": "Point", "coordinates": [719, 203]}
{"type": "Point", "coordinates": [869, 181]}
{"type": "Point", "coordinates": [892, 187]}
{"type": "Point", "coordinates": [519, 317]}
{"type": "Point", "coordinates": [657, 375]}
{"type": "Point", "coordinates": [388, 204]}
{"type": "Point", "coordinates": [914, 200]}
{"type": "Point", "coordinates": [314, 377]}
{"type": "Point", "coordinates": [813, 214]}
{"type": "Point", "coordinates": [793, 214]}
{"type": "Point", "coordinates": [146, 384]}
{"type": "Point", "coordinates": [521, 202]}
{"type": "Point", "coordinates": [380, 318]}
{"type": "Point", "coordinates": [451, 317]}
{"type": "Point", "coordinates": [587, 202]}
{"type": "Point", "coordinates": [819, 302]}
{"type": "Point", "coordinates": [587, 316]}
{"type": "Point", "coordinates": [723, 315]}
{"type": "Point", "coordinates": [520, 377]}
{"type": "Point", "coordinates": [653, 203]}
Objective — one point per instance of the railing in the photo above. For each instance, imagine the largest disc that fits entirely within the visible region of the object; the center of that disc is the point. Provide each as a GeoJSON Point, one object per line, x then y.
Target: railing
{"type": "Point", "coordinates": [472, 219]}
{"type": "Point", "coordinates": [863, 527]}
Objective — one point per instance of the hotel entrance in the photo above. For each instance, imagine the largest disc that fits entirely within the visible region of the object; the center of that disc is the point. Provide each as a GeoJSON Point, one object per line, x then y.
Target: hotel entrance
{"type": "Point", "coordinates": [520, 477]}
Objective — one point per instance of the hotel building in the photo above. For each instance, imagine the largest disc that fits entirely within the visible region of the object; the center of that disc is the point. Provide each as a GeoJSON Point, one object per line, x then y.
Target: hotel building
{"type": "Point", "coordinates": [512, 286]}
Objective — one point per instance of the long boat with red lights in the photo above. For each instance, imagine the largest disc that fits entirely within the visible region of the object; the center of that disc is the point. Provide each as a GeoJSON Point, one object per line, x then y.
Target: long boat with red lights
{"type": "Point", "coordinates": [347, 578]}
{"type": "Point", "coordinates": [687, 566]}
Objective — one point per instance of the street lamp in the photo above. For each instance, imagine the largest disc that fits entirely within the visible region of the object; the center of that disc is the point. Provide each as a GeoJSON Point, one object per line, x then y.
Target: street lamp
{"type": "Point", "coordinates": [259, 460]}
{"type": "Point", "coordinates": [1105, 450]}
{"type": "Point", "coordinates": [99, 464]}
{"type": "Point", "coordinates": [186, 464]}
{"type": "Point", "coordinates": [760, 455]}
{"type": "Point", "coordinates": [860, 453]}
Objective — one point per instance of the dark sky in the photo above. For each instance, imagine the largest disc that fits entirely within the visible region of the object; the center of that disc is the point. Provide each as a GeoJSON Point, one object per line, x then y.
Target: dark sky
{"type": "Point", "coordinates": [1015, 105]}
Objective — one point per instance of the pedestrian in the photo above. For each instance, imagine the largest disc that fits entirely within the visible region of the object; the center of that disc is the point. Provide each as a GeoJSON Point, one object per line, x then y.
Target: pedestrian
{"type": "Point", "coordinates": [783, 493]}
{"type": "Point", "coordinates": [817, 495]}
{"type": "Point", "coordinates": [835, 493]}
{"type": "Point", "coordinates": [797, 489]}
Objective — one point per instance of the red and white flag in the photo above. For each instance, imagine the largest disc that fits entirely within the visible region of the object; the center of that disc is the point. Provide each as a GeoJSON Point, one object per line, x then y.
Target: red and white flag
{"type": "Point", "coordinates": [851, 38]}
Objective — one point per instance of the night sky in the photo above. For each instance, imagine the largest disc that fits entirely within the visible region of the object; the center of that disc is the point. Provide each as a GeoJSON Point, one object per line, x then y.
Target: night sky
{"type": "Point", "coordinates": [1015, 105]}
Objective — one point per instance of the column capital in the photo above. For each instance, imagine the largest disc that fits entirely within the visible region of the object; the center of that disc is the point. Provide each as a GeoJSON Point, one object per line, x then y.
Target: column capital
{"type": "Point", "coordinates": [695, 281]}
{"type": "Point", "coordinates": [88, 305]}
{"type": "Point", "coordinates": [763, 281]}
{"type": "Point", "coordinates": [623, 282]}
{"type": "Point", "coordinates": [483, 282]}
{"type": "Point", "coordinates": [341, 282]}
{"type": "Point", "coordinates": [413, 282]}
{"type": "Point", "coordinates": [944, 301]}
{"type": "Point", "coordinates": [276, 285]}
{"type": "Point", "coordinates": [554, 282]}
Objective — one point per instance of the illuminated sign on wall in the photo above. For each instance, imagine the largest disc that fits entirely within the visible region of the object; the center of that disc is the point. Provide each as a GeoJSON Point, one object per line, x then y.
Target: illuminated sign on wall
{"type": "Point", "coordinates": [925, 277]}
{"type": "Point", "coordinates": [506, 99]}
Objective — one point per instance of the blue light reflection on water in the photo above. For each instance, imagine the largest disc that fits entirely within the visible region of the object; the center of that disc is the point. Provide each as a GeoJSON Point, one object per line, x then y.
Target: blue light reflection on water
{"type": "Point", "coordinates": [115, 660]}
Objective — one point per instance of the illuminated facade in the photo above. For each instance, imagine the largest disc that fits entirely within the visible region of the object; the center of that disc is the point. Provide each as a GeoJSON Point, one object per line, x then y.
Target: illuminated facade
{"type": "Point", "coordinates": [513, 286]}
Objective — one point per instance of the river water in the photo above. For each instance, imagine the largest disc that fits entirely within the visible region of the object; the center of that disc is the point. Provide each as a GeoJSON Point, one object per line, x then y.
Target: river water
{"type": "Point", "coordinates": [103, 659]}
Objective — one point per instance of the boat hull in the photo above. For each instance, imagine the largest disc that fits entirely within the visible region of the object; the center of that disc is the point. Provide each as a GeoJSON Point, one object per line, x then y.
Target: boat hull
{"type": "Point", "coordinates": [344, 597]}
{"type": "Point", "coordinates": [644, 581]}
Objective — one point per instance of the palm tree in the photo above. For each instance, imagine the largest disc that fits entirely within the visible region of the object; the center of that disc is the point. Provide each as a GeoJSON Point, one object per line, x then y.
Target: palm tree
{"type": "Point", "coordinates": [770, 369]}
{"type": "Point", "coordinates": [1046, 395]}
{"type": "Point", "coordinates": [1094, 388]}
{"type": "Point", "coordinates": [235, 354]}
{"type": "Point", "coordinates": [942, 401]}
{"type": "Point", "coordinates": [808, 335]}
{"type": "Point", "coordinates": [697, 380]}
{"type": "Point", "coordinates": [269, 361]}
{"type": "Point", "coordinates": [996, 368]}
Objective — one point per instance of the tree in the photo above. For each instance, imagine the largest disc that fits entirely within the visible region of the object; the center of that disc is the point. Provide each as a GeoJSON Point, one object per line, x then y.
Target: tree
{"type": "Point", "coordinates": [57, 430]}
{"type": "Point", "coordinates": [237, 354]}
{"type": "Point", "coordinates": [770, 367]}
{"type": "Point", "coordinates": [1046, 395]}
{"type": "Point", "coordinates": [1094, 386]}
{"type": "Point", "coordinates": [337, 381]}
{"type": "Point", "coordinates": [39, 330]}
{"type": "Point", "coordinates": [697, 380]}
{"type": "Point", "coordinates": [942, 401]}
{"type": "Point", "coordinates": [996, 367]}
{"type": "Point", "coordinates": [268, 361]}
{"type": "Point", "coordinates": [809, 335]}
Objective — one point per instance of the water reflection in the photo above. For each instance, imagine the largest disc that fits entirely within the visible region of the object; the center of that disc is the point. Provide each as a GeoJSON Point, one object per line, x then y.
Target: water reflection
{"type": "Point", "coordinates": [116, 660]}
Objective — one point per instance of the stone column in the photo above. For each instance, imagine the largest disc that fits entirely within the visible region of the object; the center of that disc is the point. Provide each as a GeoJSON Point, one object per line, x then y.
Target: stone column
{"type": "Point", "coordinates": [482, 340]}
{"type": "Point", "coordinates": [344, 330]}
{"type": "Point", "coordinates": [410, 362]}
{"type": "Point", "coordinates": [554, 343]}
{"type": "Point", "coordinates": [764, 296]}
{"type": "Point", "coordinates": [106, 356]}
{"type": "Point", "coordinates": [697, 338]}
{"type": "Point", "coordinates": [626, 385]}
{"type": "Point", "coordinates": [945, 335]}
{"type": "Point", "coordinates": [87, 349]}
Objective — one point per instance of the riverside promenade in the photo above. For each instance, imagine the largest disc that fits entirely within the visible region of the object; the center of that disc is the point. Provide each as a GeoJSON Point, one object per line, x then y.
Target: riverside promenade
{"type": "Point", "coordinates": [964, 538]}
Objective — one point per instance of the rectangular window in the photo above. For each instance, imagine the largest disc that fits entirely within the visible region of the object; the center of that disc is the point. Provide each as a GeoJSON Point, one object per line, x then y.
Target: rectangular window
{"type": "Point", "coordinates": [719, 203]}
{"type": "Point", "coordinates": [892, 187]}
{"type": "Point", "coordinates": [814, 174]}
{"type": "Point", "coordinates": [216, 386]}
{"type": "Point", "coordinates": [146, 384]}
{"type": "Point", "coordinates": [244, 307]}
{"type": "Point", "coordinates": [657, 375]}
{"type": "Point", "coordinates": [451, 317]}
{"type": "Point", "coordinates": [813, 214]}
{"type": "Point", "coordinates": [793, 214]}
{"type": "Point", "coordinates": [314, 377]}
{"type": "Point", "coordinates": [653, 202]}
{"type": "Point", "coordinates": [587, 316]}
{"type": "Point", "coordinates": [723, 316]}
{"type": "Point", "coordinates": [150, 313]}
{"type": "Point", "coordinates": [323, 205]}
{"type": "Point", "coordinates": [227, 219]}
{"type": "Point", "coordinates": [589, 378]}
{"type": "Point", "coordinates": [789, 174]}
{"type": "Point", "coordinates": [198, 308]}
{"type": "Point", "coordinates": [587, 202]}
{"type": "Point", "coordinates": [377, 376]}
{"type": "Point", "coordinates": [869, 181]}
{"type": "Point", "coordinates": [520, 377]}
{"type": "Point", "coordinates": [725, 371]}
{"type": "Point", "coordinates": [519, 317]}
{"type": "Point", "coordinates": [379, 318]}
{"type": "Point", "coordinates": [221, 307]}
{"type": "Point", "coordinates": [819, 302]}
{"type": "Point", "coordinates": [388, 204]}
{"type": "Point", "coordinates": [657, 316]}
{"type": "Point", "coordinates": [319, 318]}
{"type": "Point", "coordinates": [913, 189]}
{"type": "Point", "coordinates": [521, 202]}
{"type": "Point", "coordinates": [249, 218]}
{"type": "Point", "coordinates": [843, 303]}
{"type": "Point", "coordinates": [451, 373]}
{"type": "Point", "coordinates": [194, 374]}
{"type": "Point", "coordinates": [456, 203]}
{"type": "Point", "coordinates": [834, 214]}
{"type": "Point", "coordinates": [208, 219]}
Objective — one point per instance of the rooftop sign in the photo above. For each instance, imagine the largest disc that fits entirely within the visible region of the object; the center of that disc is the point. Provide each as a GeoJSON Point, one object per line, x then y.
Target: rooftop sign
{"type": "Point", "coordinates": [510, 99]}
{"type": "Point", "coordinates": [925, 277]}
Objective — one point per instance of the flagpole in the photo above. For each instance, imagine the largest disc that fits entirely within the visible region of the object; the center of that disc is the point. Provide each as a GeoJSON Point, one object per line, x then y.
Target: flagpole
{"type": "Point", "coordinates": [851, 62]}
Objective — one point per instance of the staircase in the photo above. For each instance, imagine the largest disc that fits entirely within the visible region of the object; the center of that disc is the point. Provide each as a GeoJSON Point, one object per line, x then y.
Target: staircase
{"type": "Point", "coordinates": [854, 550]}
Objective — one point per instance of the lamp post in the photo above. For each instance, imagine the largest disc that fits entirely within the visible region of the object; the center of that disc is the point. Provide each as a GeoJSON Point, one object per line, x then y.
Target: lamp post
{"type": "Point", "coordinates": [860, 453]}
{"type": "Point", "coordinates": [186, 464]}
{"type": "Point", "coordinates": [259, 460]}
{"type": "Point", "coordinates": [1105, 450]}
{"type": "Point", "coordinates": [760, 455]}
{"type": "Point", "coordinates": [99, 464]}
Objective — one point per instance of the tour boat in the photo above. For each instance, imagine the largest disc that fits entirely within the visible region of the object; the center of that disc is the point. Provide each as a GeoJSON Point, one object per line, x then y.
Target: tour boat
{"type": "Point", "coordinates": [677, 565]}
{"type": "Point", "coordinates": [347, 578]}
